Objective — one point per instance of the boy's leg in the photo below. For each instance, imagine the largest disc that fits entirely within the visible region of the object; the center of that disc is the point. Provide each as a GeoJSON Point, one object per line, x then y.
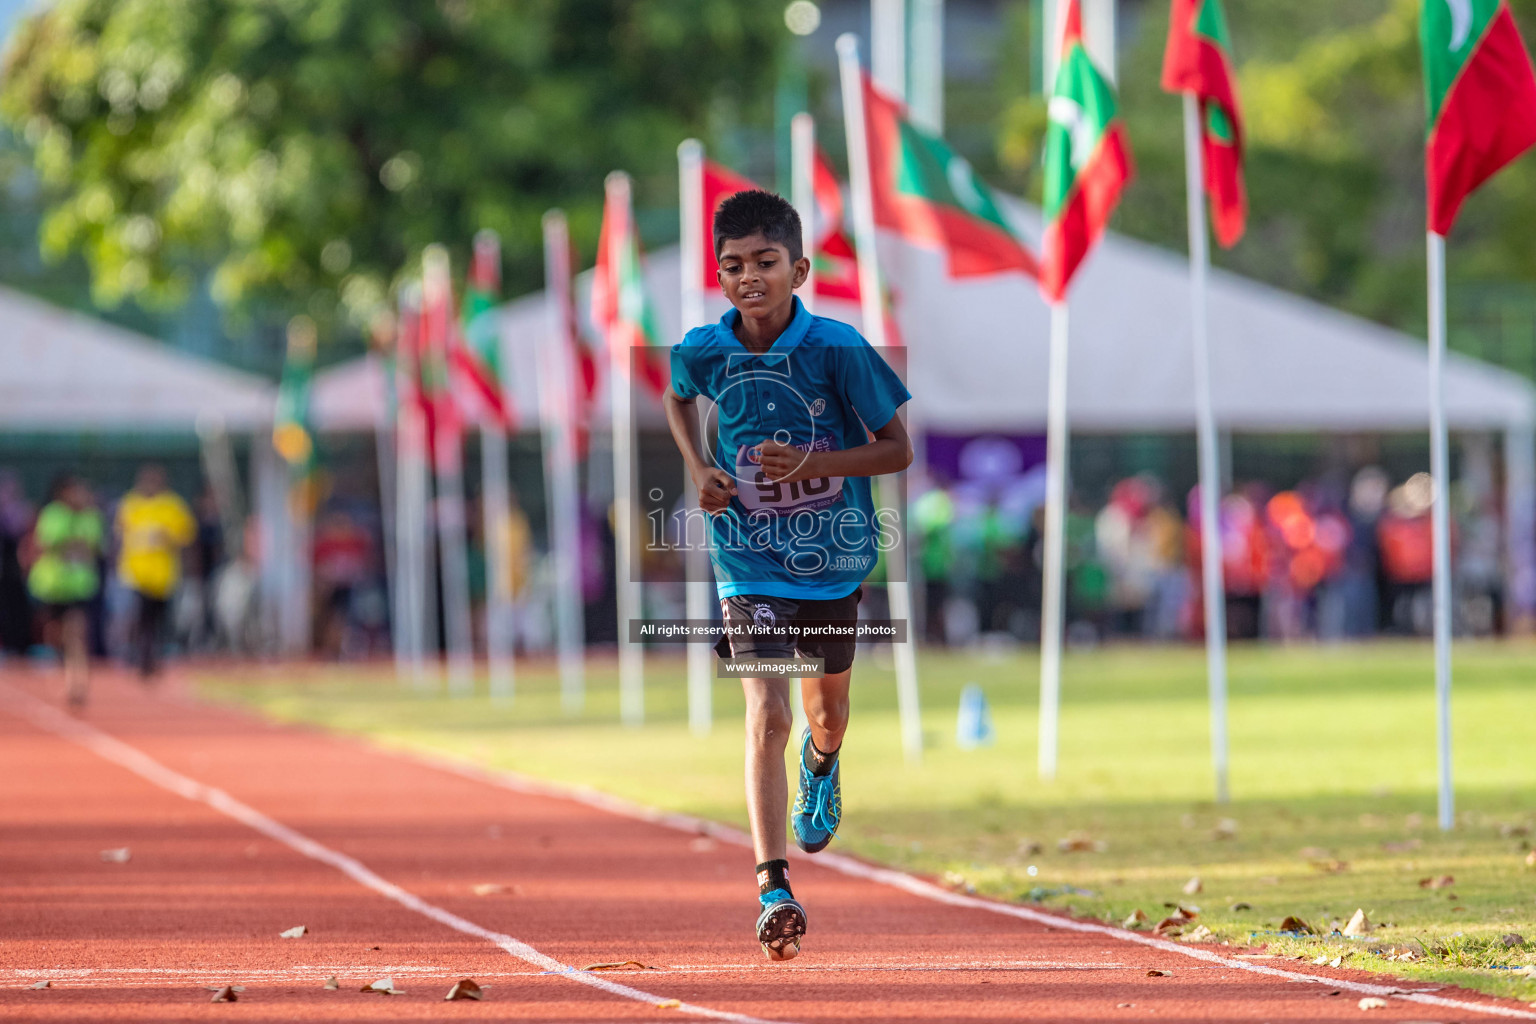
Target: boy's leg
{"type": "Point", "coordinates": [768, 726]}
{"type": "Point", "coordinates": [826, 709]}
{"type": "Point", "coordinates": [781, 924]}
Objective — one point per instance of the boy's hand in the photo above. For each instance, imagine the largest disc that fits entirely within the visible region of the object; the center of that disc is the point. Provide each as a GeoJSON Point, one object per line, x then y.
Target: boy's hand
{"type": "Point", "coordinates": [784, 463]}
{"type": "Point", "coordinates": [715, 490]}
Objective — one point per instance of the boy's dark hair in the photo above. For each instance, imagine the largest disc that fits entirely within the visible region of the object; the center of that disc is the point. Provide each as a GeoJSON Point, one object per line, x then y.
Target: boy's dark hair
{"type": "Point", "coordinates": [755, 212]}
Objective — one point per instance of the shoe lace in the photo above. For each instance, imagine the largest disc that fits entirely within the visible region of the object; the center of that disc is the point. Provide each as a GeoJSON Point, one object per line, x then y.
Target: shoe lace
{"type": "Point", "coordinates": [820, 790]}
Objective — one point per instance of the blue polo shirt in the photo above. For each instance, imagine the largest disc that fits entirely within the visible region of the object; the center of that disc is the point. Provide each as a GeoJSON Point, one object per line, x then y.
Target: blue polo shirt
{"type": "Point", "coordinates": [817, 388]}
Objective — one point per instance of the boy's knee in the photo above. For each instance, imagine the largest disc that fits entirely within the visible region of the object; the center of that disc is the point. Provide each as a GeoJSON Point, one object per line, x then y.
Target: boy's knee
{"type": "Point", "coordinates": [829, 715]}
{"type": "Point", "coordinates": [769, 722]}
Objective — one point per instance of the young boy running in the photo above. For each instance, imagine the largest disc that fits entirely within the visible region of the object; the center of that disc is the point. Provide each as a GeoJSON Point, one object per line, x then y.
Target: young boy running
{"type": "Point", "coordinates": [807, 414]}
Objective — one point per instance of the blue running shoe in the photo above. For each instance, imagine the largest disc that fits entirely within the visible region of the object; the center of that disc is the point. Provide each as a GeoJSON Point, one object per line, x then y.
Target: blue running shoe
{"type": "Point", "coordinates": [781, 925]}
{"type": "Point", "coordinates": [818, 805]}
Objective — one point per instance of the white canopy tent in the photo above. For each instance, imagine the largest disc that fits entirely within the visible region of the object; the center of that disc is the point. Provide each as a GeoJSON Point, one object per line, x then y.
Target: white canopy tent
{"type": "Point", "coordinates": [66, 372]}
{"type": "Point", "coordinates": [978, 359]}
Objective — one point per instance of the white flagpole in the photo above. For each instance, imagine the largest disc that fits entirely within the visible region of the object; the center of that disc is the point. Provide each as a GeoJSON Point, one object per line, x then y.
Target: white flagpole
{"type": "Point", "coordinates": [496, 513]}
{"type": "Point", "coordinates": [411, 483]}
{"type": "Point", "coordinates": [1440, 473]}
{"type": "Point", "coordinates": [384, 442]}
{"type": "Point", "coordinates": [926, 95]}
{"type": "Point", "coordinates": [626, 589]}
{"type": "Point", "coordinates": [888, 45]}
{"type": "Point", "coordinates": [802, 193]}
{"type": "Point", "coordinates": [1214, 591]}
{"type": "Point", "coordinates": [873, 316]}
{"type": "Point", "coordinates": [557, 409]}
{"type": "Point", "coordinates": [453, 544]}
{"type": "Point", "coordinates": [496, 508]}
{"type": "Point", "coordinates": [696, 572]}
{"type": "Point", "coordinates": [1052, 611]}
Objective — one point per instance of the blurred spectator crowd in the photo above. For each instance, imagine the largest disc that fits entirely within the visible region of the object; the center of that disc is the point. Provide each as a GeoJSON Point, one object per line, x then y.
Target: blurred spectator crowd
{"type": "Point", "coordinates": [1335, 558]}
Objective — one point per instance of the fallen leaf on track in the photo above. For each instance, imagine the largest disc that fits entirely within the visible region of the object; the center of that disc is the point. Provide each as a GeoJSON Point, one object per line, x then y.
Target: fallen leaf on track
{"type": "Point", "coordinates": [489, 889]}
{"type": "Point", "coordinates": [1373, 1003]}
{"type": "Point", "coordinates": [1336, 961]}
{"type": "Point", "coordinates": [1331, 867]}
{"type": "Point", "coordinates": [332, 984]}
{"type": "Point", "coordinates": [1512, 940]}
{"type": "Point", "coordinates": [669, 1004]}
{"type": "Point", "coordinates": [1200, 934]}
{"type": "Point", "coordinates": [297, 931]}
{"type": "Point", "coordinates": [464, 988]}
{"type": "Point", "coordinates": [1124, 1006]}
{"type": "Point", "coordinates": [118, 855]}
{"type": "Point", "coordinates": [619, 965]}
{"type": "Point", "coordinates": [383, 985]}
{"type": "Point", "coordinates": [1295, 924]}
{"type": "Point", "coordinates": [1155, 973]}
{"type": "Point", "coordinates": [1358, 925]}
{"type": "Point", "coordinates": [1136, 920]}
{"type": "Point", "coordinates": [225, 994]}
{"type": "Point", "coordinates": [1442, 882]}
{"type": "Point", "coordinates": [1194, 886]}
{"type": "Point", "coordinates": [1240, 906]}
{"type": "Point", "coordinates": [42, 984]}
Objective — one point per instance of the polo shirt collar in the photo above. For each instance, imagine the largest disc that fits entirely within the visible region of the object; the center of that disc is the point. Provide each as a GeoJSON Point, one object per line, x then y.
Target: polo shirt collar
{"type": "Point", "coordinates": [799, 326]}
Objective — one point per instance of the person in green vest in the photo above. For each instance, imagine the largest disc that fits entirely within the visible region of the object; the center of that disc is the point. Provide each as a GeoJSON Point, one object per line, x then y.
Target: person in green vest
{"type": "Point", "coordinates": [64, 579]}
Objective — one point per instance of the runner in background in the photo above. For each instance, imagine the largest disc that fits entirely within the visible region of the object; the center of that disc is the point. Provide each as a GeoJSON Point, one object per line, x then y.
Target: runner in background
{"type": "Point", "coordinates": [64, 579]}
{"type": "Point", "coordinates": [153, 527]}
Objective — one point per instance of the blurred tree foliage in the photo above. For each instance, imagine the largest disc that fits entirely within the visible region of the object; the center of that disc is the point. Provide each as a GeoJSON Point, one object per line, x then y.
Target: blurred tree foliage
{"type": "Point", "coordinates": [1333, 99]}
{"type": "Point", "coordinates": [307, 150]}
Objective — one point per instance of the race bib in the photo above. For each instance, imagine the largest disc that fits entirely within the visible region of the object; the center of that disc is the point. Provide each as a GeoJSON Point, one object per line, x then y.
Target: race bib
{"type": "Point", "coordinates": [760, 494]}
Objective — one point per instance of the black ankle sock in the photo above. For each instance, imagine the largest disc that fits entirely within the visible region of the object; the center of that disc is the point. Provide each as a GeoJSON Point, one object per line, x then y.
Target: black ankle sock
{"type": "Point", "coordinates": [818, 762]}
{"type": "Point", "coordinates": [771, 875]}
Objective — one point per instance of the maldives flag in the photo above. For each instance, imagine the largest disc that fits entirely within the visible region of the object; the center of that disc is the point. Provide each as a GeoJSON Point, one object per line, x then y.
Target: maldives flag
{"type": "Point", "coordinates": [620, 308]}
{"type": "Point", "coordinates": [434, 329]}
{"type": "Point", "coordinates": [1087, 160]}
{"type": "Point", "coordinates": [475, 353]}
{"type": "Point", "coordinates": [720, 183]}
{"type": "Point", "coordinates": [836, 262]}
{"type": "Point", "coordinates": [1198, 60]}
{"type": "Point", "coordinates": [929, 193]}
{"type": "Point", "coordinates": [1481, 98]}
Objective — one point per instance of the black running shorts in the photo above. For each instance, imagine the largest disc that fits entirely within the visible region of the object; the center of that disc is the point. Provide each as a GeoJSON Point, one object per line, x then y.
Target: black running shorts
{"type": "Point", "coordinates": [745, 610]}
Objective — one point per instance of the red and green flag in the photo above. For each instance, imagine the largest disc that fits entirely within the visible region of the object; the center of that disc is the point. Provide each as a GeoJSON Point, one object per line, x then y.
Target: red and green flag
{"type": "Point", "coordinates": [1198, 60]}
{"type": "Point", "coordinates": [434, 385]}
{"type": "Point", "coordinates": [1481, 99]}
{"type": "Point", "coordinates": [621, 309]}
{"type": "Point", "coordinates": [1087, 160]}
{"type": "Point", "coordinates": [833, 255]}
{"type": "Point", "coordinates": [475, 355]}
{"type": "Point", "coordinates": [928, 193]}
{"type": "Point", "coordinates": [720, 183]}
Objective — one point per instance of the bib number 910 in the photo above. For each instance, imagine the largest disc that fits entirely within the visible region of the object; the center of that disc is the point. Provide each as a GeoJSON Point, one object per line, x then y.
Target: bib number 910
{"type": "Point", "coordinates": [780, 498]}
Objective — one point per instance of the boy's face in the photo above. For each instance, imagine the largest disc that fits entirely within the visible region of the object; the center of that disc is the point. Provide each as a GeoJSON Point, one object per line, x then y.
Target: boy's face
{"type": "Point", "coordinates": [758, 276]}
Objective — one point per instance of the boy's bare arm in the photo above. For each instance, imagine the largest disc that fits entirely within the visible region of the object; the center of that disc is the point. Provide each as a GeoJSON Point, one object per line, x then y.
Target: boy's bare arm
{"type": "Point", "coordinates": [889, 452]}
{"type": "Point", "coordinates": [715, 485]}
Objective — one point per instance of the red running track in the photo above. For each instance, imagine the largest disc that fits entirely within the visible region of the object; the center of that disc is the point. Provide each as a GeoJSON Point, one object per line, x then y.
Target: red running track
{"type": "Point", "coordinates": [239, 829]}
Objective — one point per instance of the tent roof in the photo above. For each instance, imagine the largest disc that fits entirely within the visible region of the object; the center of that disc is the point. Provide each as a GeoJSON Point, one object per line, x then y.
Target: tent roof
{"type": "Point", "coordinates": [978, 356]}
{"type": "Point", "coordinates": [63, 371]}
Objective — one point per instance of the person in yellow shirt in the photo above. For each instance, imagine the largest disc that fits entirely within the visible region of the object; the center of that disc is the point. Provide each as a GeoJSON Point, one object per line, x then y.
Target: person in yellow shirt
{"type": "Point", "coordinates": [63, 580]}
{"type": "Point", "coordinates": [153, 526]}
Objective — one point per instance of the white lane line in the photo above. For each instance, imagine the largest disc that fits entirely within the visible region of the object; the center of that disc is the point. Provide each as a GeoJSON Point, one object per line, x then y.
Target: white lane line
{"type": "Point", "coordinates": [108, 747]}
{"type": "Point", "coordinates": [912, 885]}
